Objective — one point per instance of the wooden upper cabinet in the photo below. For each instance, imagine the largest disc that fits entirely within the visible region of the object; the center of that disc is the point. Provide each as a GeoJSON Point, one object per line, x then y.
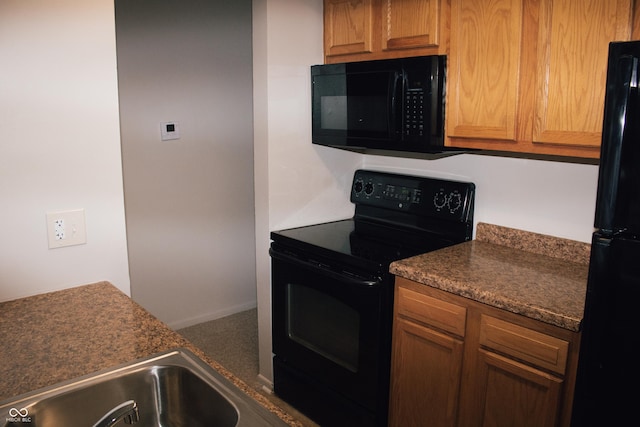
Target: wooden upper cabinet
{"type": "Point", "coordinates": [571, 74]}
{"type": "Point", "coordinates": [348, 27]}
{"type": "Point", "coordinates": [358, 30]}
{"type": "Point", "coordinates": [525, 76]}
{"type": "Point", "coordinates": [409, 23]}
{"type": "Point", "coordinates": [483, 68]}
{"type": "Point", "coordinates": [529, 75]}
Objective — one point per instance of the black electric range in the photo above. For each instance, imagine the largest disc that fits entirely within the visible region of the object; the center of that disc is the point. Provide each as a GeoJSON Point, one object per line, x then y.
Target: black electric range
{"type": "Point", "coordinates": [332, 294]}
{"type": "Point", "coordinates": [396, 217]}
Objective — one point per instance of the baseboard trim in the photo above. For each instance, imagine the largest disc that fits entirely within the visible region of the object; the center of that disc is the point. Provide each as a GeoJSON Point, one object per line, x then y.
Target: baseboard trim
{"type": "Point", "coordinates": [207, 317]}
{"type": "Point", "coordinates": [267, 384]}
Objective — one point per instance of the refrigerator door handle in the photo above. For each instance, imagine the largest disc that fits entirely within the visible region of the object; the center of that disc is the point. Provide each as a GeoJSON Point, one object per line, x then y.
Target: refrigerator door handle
{"type": "Point", "coordinates": [619, 86]}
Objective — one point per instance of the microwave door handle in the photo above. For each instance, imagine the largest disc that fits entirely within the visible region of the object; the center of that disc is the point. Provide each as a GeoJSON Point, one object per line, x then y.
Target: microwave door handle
{"type": "Point", "coordinates": [395, 118]}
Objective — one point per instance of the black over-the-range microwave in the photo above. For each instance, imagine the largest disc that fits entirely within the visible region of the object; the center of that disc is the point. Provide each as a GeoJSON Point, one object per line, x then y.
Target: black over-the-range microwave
{"type": "Point", "coordinates": [394, 105]}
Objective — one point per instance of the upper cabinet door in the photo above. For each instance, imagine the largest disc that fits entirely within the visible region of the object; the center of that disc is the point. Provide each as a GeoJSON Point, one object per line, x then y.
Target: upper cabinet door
{"type": "Point", "coordinates": [529, 76]}
{"type": "Point", "coordinates": [409, 23]}
{"type": "Point", "coordinates": [483, 72]}
{"type": "Point", "coordinates": [573, 48]}
{"type": "Point", "coordinates": [348, 27]}
{"type": "Point", "coordinates": [362, 30]}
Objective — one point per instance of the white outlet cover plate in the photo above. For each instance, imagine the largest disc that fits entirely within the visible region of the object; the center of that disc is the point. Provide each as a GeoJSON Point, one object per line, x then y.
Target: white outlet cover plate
{"type": "Point", "coordinates": [66, 228]}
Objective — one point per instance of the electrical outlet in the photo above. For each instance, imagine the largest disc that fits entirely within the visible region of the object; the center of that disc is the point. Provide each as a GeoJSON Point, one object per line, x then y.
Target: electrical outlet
{"type": "Point", "coordinates": [66, 228]}
{"type": "Point", "coordinates": [58, 229]}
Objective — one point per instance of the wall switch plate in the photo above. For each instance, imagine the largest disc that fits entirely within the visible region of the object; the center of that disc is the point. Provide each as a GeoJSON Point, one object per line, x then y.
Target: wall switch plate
{"type": "Point", "coordinates": [66, 228]}
{"type": "Point", "coordinates": [169, 131]}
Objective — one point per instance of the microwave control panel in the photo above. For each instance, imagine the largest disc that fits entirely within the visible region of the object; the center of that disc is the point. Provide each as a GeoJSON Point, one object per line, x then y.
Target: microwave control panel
{"type": "Point", "coordinates": [421, 196]}
{"type": "Point", "coordinates": [414, 114]}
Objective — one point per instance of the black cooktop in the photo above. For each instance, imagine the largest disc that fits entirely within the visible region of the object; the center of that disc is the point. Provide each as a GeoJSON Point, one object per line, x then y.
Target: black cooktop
{"type": "Point", "coordinates": [379, 244]}
{"type": "Point", "coordinates": [396, 217]}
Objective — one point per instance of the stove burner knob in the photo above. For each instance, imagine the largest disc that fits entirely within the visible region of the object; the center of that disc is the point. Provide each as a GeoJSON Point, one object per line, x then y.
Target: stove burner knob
{"type": "Point", "coordinates": [440, 200]}
{"type": "Point", "coordinates": [455, 201]}
{"type": "Point", "coordinates": [368, 188]}
{"type": "Point", "coordinates": [357, 187]}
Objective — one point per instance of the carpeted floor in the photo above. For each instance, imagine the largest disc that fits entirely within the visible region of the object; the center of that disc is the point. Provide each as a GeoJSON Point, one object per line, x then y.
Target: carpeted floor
{"type": "Point", "coordinates": [232, 341]}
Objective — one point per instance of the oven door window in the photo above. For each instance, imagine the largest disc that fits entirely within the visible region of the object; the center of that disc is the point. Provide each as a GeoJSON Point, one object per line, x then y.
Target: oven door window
{"type": "Point", "coordinates": [324, 325]}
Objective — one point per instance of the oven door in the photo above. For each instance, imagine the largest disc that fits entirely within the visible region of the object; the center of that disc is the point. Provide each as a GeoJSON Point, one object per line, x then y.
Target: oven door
{"type": "Point", "coordinates": [332, 327]}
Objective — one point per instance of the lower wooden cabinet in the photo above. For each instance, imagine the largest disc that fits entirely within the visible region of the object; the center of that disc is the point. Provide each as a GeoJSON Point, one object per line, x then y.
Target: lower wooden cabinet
{"type": "Point", "coordinates": [456, 362]}
{"type": "Point", "coordinates": [509, 393]}
{"type": "Point", "coordinates": [429, 378]}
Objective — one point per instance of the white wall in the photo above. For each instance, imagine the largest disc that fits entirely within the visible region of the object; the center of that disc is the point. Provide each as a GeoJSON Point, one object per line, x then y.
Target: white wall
{"type": "Point", "coordinates": [59, 144]}
{"type": "Point", "coordinates": [296, 183]}
{"type": "Point", "coordinates": [552, 198]}
{"type": "Point", "coordinates": [189, 202]}
{"type": "Point", "coordinates": [299, 184]}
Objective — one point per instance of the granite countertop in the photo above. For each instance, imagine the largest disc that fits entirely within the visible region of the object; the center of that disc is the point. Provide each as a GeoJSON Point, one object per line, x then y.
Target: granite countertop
{"type": "Point", "coordinates": [538, 276]}
{"type": "Point", "coordinates": [62, 335]}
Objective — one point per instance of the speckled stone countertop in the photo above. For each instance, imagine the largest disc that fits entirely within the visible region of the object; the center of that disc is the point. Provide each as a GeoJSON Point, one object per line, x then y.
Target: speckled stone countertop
{"type": "Point", "coordinates": [53, 337]}
{"type": "Point", "coordinates": [538, 276]}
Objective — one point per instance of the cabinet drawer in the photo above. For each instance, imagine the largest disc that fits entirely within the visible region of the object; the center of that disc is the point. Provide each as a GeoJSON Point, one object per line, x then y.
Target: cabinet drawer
{"type": "Point", "coordinates": [539, 349]}
{"type": "Point", "coordinates": [431, 311]}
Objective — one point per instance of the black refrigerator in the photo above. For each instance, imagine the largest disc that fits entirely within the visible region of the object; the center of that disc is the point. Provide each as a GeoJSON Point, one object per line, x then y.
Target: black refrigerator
{"type": "Point", "coordinates": [607, 391]}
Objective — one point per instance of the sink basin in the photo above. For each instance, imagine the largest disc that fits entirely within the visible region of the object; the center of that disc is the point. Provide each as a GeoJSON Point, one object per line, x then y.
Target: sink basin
{"type": "Point", "coordinates": [171, 389]}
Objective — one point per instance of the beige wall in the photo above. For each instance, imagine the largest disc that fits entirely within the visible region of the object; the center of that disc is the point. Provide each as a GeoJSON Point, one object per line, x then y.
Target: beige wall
{"type": "Point", "coordinates": [59, 144]}
{"type": "Point", "coordinates": [189, 202]}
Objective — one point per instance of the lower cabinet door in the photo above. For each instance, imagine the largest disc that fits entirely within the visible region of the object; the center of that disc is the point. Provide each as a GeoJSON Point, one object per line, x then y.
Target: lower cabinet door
{"type": "Point", "coordinates": [509, 393]}
{"type": "Point", "coordinates": [425, 378]}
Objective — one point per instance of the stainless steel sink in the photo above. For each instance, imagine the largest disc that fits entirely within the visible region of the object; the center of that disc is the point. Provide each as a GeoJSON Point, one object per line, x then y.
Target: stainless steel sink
{"type": "Point", "coordinates": [170, 389]}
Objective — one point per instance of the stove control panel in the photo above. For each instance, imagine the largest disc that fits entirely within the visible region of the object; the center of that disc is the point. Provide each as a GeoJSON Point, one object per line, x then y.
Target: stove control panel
{"type": "Point", "coordinates": [421, 196]}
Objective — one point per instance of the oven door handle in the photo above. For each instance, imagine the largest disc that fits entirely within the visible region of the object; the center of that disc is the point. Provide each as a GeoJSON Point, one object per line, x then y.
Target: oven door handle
{"type": "Point", "coordinates": [350, 280]}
